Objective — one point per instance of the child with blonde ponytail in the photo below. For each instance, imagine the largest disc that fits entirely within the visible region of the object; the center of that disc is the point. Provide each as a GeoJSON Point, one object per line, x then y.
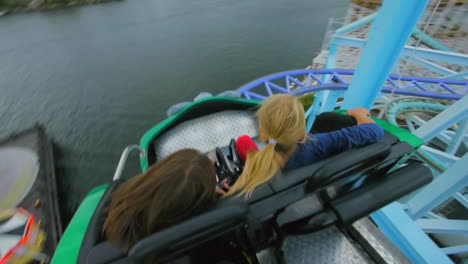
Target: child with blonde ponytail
{"type": "Point", "coordinates": [281, 123]}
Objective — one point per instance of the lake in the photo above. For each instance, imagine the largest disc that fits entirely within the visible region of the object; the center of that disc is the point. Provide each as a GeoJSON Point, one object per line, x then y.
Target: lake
{"type": "Point", "coordinates": [97, 77]}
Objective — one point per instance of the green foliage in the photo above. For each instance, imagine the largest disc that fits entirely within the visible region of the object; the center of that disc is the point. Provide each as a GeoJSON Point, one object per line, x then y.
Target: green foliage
{"type": "Point", "coordinates": [307, 100]}
{"type": "Point", "coordinates": [11, 4]}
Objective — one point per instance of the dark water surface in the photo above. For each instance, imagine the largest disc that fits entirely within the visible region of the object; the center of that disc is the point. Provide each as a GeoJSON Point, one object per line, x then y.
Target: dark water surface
{"type": "Point", "coordinates": [97, 77]}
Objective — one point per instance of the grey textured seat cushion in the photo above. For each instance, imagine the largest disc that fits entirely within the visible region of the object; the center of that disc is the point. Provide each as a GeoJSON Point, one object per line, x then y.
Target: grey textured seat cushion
{"type": "Point", "coordinates": [207, 132]}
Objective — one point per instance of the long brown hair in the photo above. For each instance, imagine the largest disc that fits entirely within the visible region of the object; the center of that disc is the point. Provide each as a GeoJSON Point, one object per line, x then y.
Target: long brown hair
{"type": "Point", "coordinates": [281, 118]}
{"type": "Point", "coordinates": [175, 188]}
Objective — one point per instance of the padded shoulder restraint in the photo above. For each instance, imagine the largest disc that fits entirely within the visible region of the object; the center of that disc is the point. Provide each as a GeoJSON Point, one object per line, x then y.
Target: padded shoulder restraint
{"type": "Point", "coordinates": [349, 162]}
{"type": "Point", "coordinates": [226, 215]}
{"type": "Point", "coordinates": [105, 253]}
{"type": "Point", "coordinates": [93, 235]}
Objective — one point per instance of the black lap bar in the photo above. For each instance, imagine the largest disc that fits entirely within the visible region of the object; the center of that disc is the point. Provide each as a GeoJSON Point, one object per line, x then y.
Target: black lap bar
{"type": "Point", "coordinates": [381, 192]}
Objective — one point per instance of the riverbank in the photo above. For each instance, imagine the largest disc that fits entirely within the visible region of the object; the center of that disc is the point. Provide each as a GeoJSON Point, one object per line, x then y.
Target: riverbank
{"type": "Point", "coordinates": [17, 6]}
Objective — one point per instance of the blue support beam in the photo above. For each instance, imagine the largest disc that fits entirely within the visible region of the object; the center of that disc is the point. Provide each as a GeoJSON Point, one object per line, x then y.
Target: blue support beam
{"type": "Point", "coordinates": [431, 215]}
{"type": "Point", "coordinates": [441, 157]}
{"type": "Point", "coordinates": [426, 39]}
{"type": "Point", "coordinates": [313, 111]}
{"type": "Point", "coordinates": [455, 250]}
{"type": "Point", "coordinates": [432, 66]}
{"type": "Point", "coordinates": [356, 24]}
{"type": "Point", "coordinates": [324, 96]}
{"type": "Point", "coordinates": [458, 138]}
{"type": "Point", "coordinates": [405, 234]}
{"type": "Point", "coordinates": [443, 226]}
{"type": "Point", "coordinates": [423, 53]}
{"type": "Point", "coordinates": [332, 99]}
{"type": "Point", "coordinates": [388, 35]}
{"type": "Point", "coordinates": [431, 42]}
{"type": "Point", "coordinates": [462, 74]}
{"type": "Point", "coordinates": [436, 166]}
{"type": "Point", "coordinates": [441, 189]}
{"type": "Point", "coordinates": [455, 113]}
{"type": "Point", "coordinates": [461, 199]}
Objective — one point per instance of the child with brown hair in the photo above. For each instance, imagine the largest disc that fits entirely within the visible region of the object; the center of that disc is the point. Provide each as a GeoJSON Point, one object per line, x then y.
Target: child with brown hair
{"type": "Point", "coordinates": [172, 190]}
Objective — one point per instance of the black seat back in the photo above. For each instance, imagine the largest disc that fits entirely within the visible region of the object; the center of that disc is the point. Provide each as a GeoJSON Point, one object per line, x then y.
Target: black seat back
{"type": "Point", "coordinates": [349, 162]}
{"type": "Point", "coordinates": [325, 172]}
{"type": "Point", "coordinates": [223, 217]}
{"type": "Point", "coordinates": [106, 253]}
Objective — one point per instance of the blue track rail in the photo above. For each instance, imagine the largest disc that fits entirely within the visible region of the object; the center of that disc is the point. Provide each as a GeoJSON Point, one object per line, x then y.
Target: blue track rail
{"type": "Point", "coordinates": [308, 80]}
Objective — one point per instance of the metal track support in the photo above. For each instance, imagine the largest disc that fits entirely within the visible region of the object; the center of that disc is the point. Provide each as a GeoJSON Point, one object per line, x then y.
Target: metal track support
{"type": "Point", "coordinates": [389, 33]}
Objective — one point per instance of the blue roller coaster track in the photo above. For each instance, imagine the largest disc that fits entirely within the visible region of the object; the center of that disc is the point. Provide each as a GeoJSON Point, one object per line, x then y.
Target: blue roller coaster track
{"type": "Point", "coordinates": [302, 81]}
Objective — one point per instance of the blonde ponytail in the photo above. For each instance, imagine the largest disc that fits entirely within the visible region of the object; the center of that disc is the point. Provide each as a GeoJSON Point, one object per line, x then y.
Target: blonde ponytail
{"type": "Point", "coordinates": [260, 166]}
{"type": "Point", "coordinates": [281, 119]}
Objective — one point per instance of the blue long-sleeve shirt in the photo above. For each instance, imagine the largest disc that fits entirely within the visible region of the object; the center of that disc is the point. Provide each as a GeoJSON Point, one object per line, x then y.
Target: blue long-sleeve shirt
{"type": "Point", "coordinates": [324, 145]}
